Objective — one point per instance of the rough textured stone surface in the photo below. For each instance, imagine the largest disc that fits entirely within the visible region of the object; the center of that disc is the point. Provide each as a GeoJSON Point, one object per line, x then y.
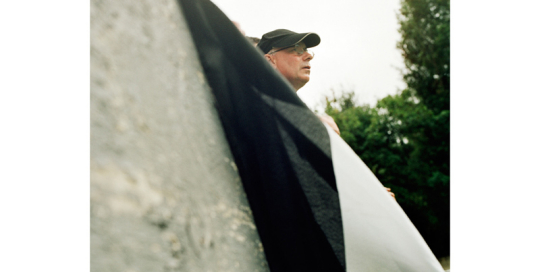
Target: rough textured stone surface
{"type": "Point", "coordinates": [165, 192]}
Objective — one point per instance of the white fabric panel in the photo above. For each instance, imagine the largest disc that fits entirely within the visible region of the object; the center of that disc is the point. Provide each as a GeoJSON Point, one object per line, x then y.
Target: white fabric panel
{"type": "Point", "coordinates": [378, 234]}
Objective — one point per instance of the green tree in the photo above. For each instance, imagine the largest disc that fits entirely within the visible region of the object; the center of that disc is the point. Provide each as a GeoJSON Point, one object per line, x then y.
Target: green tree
{"type": "Point", "coordinates": [405, 138]}
{"type": "Point", "coordinates": [425, 47]}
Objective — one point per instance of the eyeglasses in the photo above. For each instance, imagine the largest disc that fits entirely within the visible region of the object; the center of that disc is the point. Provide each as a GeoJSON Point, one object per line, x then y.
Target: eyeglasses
{"type": "Point", "coordinates": [299, 50]}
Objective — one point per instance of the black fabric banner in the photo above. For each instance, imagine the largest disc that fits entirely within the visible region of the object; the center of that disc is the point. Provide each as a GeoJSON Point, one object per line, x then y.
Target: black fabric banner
{"type": "Point", "coordinates": [281, 149]}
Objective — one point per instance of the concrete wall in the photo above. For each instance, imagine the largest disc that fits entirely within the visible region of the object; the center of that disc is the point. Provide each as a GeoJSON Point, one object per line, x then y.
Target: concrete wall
{"type": "Point", "coordinates": [165, 192]}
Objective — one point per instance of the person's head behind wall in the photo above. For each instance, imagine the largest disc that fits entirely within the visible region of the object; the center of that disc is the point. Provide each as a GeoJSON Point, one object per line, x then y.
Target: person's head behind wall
{"type": "Point", "coordinates": [253, 40]}
{"type": "Point", "coordinates": [287, 52]}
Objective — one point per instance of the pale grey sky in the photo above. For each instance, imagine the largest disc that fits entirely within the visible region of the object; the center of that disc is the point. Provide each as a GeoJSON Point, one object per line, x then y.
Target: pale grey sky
{"type": "Point", "coordinates": [358, 42]}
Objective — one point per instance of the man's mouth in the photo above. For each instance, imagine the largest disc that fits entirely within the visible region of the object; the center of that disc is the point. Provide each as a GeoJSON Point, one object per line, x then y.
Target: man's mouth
{"type": "Point", "coordinates": [306, 67]}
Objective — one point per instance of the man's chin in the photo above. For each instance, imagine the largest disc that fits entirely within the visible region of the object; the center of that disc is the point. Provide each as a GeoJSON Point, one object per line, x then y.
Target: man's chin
{"type": "Point", "coordinates": [305, 79]}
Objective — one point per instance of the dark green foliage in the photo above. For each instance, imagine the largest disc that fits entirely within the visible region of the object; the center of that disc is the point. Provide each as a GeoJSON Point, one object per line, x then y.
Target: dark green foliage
{"type": "Point", "coordinates": [425, 46]}
{"type": "Point", "coordinates": [405, 138]}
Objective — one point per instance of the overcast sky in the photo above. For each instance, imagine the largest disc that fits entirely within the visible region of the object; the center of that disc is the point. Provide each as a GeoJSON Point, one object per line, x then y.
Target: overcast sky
{"type": "Point", "coordinates": [358, 42]}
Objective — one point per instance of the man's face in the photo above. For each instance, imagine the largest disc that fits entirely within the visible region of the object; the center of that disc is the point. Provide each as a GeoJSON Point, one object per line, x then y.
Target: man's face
{"type": "Point", "coordinates": [294, 67]}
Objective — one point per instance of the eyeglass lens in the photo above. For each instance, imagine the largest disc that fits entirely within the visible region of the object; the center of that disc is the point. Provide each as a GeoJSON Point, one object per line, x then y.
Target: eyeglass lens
{"type": "Point", "coordinates": [301, 50]}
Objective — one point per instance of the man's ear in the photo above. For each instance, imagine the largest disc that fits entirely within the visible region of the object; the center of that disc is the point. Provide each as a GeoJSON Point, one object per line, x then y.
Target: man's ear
{"type": "Point", "coordinates": [271, 60]}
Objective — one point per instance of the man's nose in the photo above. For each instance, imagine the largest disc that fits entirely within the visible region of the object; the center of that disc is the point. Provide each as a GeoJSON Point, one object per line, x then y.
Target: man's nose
{"type": "Point", "coordinates": [308, 56]}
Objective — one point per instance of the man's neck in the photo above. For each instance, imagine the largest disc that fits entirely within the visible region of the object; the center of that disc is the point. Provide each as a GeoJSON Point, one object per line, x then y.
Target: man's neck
{"type": "Point", "coordinates": [296, 88]}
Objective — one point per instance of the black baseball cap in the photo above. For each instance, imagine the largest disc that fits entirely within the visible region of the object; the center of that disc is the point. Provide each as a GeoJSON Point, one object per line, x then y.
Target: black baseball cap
{"type": "Point", "coordinates": [284, 38]}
